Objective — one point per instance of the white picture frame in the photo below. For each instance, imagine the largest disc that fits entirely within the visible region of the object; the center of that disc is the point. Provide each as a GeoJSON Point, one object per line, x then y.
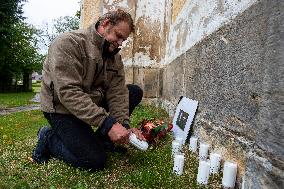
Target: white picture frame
{"type": "Point", "coordinates": [183, 117]}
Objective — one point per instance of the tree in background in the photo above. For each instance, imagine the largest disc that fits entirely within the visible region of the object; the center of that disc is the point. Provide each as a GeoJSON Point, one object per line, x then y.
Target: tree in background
{"type": "Point", "coordinates": [19, 44]}
{"type": "Point", "coordinates": [27, 58]}
{"type": "Point", "coordinates": [10, 13]}
{"type": "Point", "coordinates": [60, 25]}
{"type": "Point", "coordinates": [18, 47]}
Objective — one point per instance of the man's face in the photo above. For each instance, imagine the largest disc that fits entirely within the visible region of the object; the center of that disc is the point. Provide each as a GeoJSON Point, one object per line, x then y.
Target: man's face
{"type": "Point", "coordinates": [116, 34]}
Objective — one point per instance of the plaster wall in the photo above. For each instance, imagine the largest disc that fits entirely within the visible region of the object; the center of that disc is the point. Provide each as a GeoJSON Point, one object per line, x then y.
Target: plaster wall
{"type": "Point", "coordinates": [90, 11]}
{"type": "Point", "coordinates": [197, 19]}
{"type": "Point", "coordinates": [151, 32]}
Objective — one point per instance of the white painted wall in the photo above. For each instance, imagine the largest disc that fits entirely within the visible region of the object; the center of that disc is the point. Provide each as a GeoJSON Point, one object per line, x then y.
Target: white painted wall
{"type": "Point", "coordinates": [113, 5]}
{"type": "Point", "coordinates": [200, 18]}
{"type": "Point", "coordinates": [153, 12]}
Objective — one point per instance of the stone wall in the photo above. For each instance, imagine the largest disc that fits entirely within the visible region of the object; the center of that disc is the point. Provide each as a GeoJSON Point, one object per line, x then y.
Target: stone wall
{"type": "Point", "coordinates": [229, 56]}
{"type": "Point", "coordinates": [236, 74]}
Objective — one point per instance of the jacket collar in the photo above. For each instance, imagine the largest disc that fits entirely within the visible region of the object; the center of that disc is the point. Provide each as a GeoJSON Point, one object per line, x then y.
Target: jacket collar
{"type": "Point", "coordinates": [96, 38]}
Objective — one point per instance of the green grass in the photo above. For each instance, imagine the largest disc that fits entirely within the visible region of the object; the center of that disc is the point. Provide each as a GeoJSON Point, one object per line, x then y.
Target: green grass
{"type": "Point", "coordinates": [36, 87]}
{"type": "Point", "coordinates": [136, 169]}
{"type": "Point", "coordinates": [8, 100]}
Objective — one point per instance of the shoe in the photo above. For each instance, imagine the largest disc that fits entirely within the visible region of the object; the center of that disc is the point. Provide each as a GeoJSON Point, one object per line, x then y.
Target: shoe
{"type": "Point", "coordinates": [41, 153]}
{"type": "Point", "coordinates": [110, 147]}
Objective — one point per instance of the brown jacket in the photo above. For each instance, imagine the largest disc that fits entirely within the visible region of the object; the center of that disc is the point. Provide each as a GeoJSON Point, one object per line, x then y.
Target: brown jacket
{"type": "Point", "coordinates": [76, 80]}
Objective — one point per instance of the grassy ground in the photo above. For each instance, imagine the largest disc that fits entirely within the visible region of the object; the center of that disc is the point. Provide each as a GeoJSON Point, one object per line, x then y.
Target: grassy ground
{"type": "Point", "coordinates": [36, 87]}
{"type": "Point", "coordinates": [8, 100]}
{"type": "Point", "coordinates": [136, 169]}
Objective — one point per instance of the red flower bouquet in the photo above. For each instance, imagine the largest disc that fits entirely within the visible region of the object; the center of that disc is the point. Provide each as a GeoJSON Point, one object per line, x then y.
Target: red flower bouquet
{"type": "Point", "coordinates": [154, 129]}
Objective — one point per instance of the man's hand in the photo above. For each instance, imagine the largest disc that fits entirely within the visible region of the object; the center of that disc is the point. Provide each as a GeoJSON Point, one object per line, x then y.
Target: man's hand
{"type": "Point", "coordinates": [138, 133]}
{"type": "Point", "coordinates": [119, 134]}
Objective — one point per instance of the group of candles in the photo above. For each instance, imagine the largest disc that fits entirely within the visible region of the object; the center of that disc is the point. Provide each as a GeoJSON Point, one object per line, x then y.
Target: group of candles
{"type": "Point", "coordinates": [206, 167]}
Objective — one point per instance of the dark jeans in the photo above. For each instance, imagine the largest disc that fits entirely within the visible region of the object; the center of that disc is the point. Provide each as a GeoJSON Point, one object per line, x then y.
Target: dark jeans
{"type": "Point", "coordinates": [75, 142]}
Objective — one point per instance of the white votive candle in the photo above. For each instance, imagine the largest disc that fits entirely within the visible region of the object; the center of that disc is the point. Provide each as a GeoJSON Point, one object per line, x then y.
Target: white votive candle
{"type": "Point", "coordinates": [176, 148]}
{"type": "Point", "coordinates": [193, 144]}
{"type": "Point", "coordinates": [203, 151]}
{"type": "Point", "coordinates": [229, 174]}
{"type": "Point", "coordinates": [178, 164]}
{"type": "Point", "coordinates": [214, 163]}
{"type": "Point", "coordinates": [203, 172]}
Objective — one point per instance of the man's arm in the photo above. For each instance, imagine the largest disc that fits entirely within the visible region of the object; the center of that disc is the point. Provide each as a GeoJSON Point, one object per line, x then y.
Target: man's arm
{"type": "Point", "coordinates": [117, 95]}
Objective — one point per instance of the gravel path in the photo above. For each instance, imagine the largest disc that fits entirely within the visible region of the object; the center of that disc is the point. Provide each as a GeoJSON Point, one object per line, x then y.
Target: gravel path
{"type": "Point", "coordinates": [5, 111]}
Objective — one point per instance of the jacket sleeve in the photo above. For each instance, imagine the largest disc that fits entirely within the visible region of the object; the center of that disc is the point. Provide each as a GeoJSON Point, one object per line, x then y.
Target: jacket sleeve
{"type": "Point", "coordinates": [67, 75]}
{"type": "Point", "coordinates": [117, 95]}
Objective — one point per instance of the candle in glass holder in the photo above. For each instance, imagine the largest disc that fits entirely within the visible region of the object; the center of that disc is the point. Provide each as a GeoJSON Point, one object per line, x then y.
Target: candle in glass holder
{"type": "Point", "coordinates": [193, 144]}
{"type": "Point", "coordinates": [214, 163]}
{"type": "Point", "coordinates": [203, 151]}
{"type": "Point", "coordinates": [229, 174]}
{"type": "Point", "coordinates": [203, 172]}
{"type": "Point", "coordinates": [178, 164]}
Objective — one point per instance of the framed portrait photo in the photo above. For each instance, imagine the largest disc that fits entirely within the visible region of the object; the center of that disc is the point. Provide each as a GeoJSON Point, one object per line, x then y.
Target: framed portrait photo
{"type": "Point", "coordinates": [183, 117]}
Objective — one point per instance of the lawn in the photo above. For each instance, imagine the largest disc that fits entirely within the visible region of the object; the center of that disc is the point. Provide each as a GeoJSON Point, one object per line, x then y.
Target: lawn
{"type": "Point", "coordinates": [136, 169]}
{"type": "Point", "coordinates": [36, 87]}
{"type": "Point", "coordinates": [8, 100]}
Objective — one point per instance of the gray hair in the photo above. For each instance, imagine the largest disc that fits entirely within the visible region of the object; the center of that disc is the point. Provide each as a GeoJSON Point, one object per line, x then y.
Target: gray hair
{"type": "Point", "coordinates": [117, 16]}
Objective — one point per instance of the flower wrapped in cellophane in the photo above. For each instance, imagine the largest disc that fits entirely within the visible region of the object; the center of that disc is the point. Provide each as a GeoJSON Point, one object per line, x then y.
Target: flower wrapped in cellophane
{"type": "Point", "coordinates": [154, 129]}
